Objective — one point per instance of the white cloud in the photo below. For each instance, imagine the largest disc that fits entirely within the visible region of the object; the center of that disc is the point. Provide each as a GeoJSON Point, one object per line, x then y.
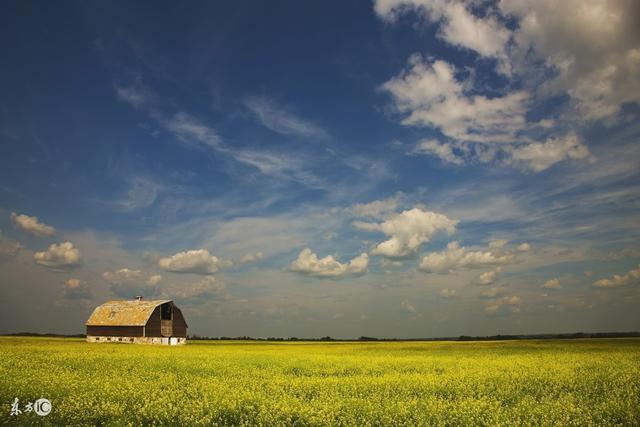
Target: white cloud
{"type": "Point", "coordinates": [429, 94]}
{"type": "Point", "coordinates": [444, 151]}
{"type": "Point", "coordinates": [504, 305]}
{"type": "Point", "coordinates": [59, 256]}
{"type": "Point", "coordinates": [632, 276]}
{"type": "Point", "coordinates": [198, 261]}
{"type": "Point", "coordinates": [76, 289]}
{"type": "Point", "coordinates": [328, 267]}
{"type": "Point", "coordinates": [539, 156]}
{"type": "Point", "coordinates": [456, 257]}
{"type": "Point", "coordinates": [459, 27]}
{"type": "Point", "coordinates": [524, 247]}
{"type": "Point", "coordinates": [251, 257]}
{"type": "Point", "coordinates": [593, 47]}
{"type": "Point", "coordinates": [551, 284]}
{"type": "Point", "coordinates": [489, 277]}
{"type": "Point", "coordinates": [407, 231]}
{"type": "Point", "coordinates": [142, 193]}
{"type": "Point", "coordinates": [190, 130]}
{"type": "Point", "coordinates": [31, 225]}
{"type": "Point", "coordinates": [280, 120]}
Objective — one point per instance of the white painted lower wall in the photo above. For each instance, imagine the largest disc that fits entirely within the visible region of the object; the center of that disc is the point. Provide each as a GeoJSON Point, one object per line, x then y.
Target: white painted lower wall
{"type": "Point", "coordinates": [138, 340]}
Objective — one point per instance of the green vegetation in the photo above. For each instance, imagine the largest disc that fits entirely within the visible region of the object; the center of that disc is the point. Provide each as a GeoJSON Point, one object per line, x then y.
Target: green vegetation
{"type": "Point", "coordinates": [564, 382]}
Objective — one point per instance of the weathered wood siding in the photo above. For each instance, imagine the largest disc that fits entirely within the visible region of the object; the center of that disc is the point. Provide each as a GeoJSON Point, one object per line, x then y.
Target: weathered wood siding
{"type": "Point", "coordinates": [118, 331]}
{"type": "Point", "coordinates": [154, 325]}
{"type": "Point", "coordinates": [179, 324]}
{"type": "Point", "coordinates": [152, 328]}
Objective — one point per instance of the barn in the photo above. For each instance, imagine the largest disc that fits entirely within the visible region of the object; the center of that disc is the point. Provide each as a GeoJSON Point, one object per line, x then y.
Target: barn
{"type": "Point", "coordinates": [137, 321]}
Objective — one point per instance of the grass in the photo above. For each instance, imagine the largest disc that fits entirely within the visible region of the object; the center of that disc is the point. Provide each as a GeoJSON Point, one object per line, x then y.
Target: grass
{"type": "Point", "coordinates": [538, 382]}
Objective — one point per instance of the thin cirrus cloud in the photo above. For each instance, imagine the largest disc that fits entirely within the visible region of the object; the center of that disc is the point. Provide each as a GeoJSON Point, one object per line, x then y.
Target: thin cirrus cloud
{"type": "Point", "coordinates": [280, 120]}
{"type": "Point", "coordinates": [194, 133]}
{"type": "Point", "coordinates": [32, 225]}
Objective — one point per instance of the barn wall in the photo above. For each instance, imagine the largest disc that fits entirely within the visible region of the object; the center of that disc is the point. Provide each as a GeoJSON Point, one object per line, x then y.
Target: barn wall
{"type": "Point", "coordinates": [179, 324]}
{"type": "Point", "coordinates": [117, 331]}
{"type": "Point", "coordinates": [152, 328]}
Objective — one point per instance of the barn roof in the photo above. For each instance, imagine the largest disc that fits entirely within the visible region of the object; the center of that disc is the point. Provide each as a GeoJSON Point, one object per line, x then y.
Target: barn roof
{"type": "Point", "coordinates": [123, 313]}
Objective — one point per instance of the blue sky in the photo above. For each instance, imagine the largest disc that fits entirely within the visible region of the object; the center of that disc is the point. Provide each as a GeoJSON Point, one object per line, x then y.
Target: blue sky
{"type": "Point", "coordinates": [390, 168]}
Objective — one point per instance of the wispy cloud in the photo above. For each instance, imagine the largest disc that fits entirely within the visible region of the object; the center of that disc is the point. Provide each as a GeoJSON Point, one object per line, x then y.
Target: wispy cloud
{"type": "Point", "coordinates": [281, 120]}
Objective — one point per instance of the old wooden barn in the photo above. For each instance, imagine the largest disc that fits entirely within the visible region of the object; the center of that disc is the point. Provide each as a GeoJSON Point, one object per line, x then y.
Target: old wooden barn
{"type": "Point", "coordinates": [137, 321]}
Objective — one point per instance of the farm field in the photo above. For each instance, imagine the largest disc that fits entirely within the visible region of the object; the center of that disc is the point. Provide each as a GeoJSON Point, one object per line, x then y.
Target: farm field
{"type": "Point", "coordinates": [565, 382]}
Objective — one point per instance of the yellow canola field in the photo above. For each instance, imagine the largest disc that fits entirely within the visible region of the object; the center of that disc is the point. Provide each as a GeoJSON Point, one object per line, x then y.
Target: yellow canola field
{"type": "Point", "coordinates": [562, 382]}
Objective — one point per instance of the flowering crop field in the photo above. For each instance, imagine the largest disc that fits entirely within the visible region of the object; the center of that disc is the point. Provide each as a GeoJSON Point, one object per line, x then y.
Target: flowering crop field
{"type": "Point", "coordinates": [570, 382]}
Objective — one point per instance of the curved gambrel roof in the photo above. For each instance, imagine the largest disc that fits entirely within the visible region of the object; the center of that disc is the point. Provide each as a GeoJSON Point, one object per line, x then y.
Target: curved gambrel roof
{"type": "Point", "coordinates": [124, 313]}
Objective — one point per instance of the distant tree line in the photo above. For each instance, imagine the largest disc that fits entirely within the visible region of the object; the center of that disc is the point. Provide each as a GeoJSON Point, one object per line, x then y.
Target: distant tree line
{"type": "Point", "coordinates": [575, 335]}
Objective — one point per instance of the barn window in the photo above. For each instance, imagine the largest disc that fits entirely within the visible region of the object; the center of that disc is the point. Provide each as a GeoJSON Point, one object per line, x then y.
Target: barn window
{"type": "Point", "coordinates": [165, 311]}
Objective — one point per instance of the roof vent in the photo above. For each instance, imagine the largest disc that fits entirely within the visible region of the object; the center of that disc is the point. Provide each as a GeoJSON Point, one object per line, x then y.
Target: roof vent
{"type": "Point", "coordinates": [138, 297]}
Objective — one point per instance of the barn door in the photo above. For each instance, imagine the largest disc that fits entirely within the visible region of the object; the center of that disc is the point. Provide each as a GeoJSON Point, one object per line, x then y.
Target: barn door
{"type": "Point", "coordinates": [166, 319]}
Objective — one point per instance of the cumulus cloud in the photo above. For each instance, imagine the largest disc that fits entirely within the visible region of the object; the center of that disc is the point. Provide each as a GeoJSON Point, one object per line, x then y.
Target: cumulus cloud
{"type": "Point", "coordinates": [551, 284]}
{"type": "Point", "coordinates": [539, 156]}
{"type": "Point", "coordinates": [503, 305]}
{"type": "Point", "coordinates": [586, 51]}
{"type": "Point", "coordinates": [456, 257]}
{"type": "Point", "coordinates": [489, 277]}
{"type": "Point", "coordinates": [76, 289]}
{"type": "Point", "coordinates": [280, 120]}
{"type": "Point", "coordinates": [631, 277]}
{"type": "Point", "coordinates": [30, 224]}
{"type": "Point", "coordinates": [524, 247]}
{"type": "Point", "coordinates": [593, 47]}
{"type": "Point", "coordinates": [61, 256]}
{"type": "Point", "coordinates": [444, 151]}
{"type": "Point", "coordinates": [407, 231]}
{"type": "Point", "coordinates": [308, 263]}
{"type": "Point", "coordinates": [428, 94]}
{"type": "Point", "coordinates": [127, 283]}
{"type": "Point", "coordinates": [198, 261]}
